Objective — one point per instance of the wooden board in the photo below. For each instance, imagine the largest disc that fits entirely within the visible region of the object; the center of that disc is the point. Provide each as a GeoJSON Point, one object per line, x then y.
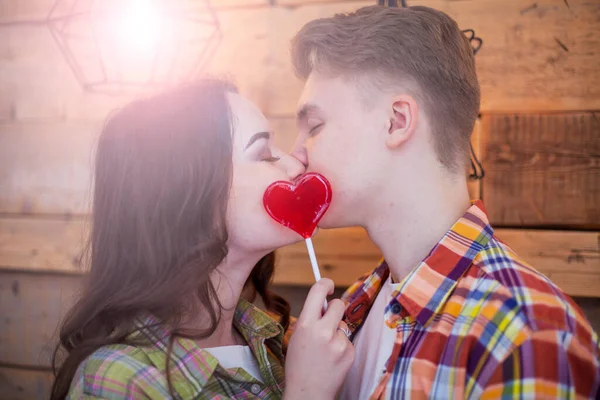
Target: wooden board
{"type": "Point", "coordinates": [46, 167]}
{"type": "Point", "coordinates": [42, 244]}
{"type": "Point", "coordinates": [571, 259]}
{"type": "Point", "coordinates": [31, 307]}
{"type": "Point", "coordinates": [542, 170]}
{"type": "Point", "coordinates": [536, 56]}
{"type": "Point", "coordinates": [20, 384]}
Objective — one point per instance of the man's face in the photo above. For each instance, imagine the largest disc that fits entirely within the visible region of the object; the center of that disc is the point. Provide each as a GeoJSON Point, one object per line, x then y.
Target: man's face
{"type": "Point", "coordinates": [343, 138]}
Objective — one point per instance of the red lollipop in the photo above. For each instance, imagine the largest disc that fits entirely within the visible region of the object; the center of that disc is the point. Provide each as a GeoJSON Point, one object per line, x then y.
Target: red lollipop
{"type": "Point", "coordinates": [299, 206]}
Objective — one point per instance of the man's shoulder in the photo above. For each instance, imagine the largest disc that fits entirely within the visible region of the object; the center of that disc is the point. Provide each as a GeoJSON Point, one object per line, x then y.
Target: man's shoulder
{"type": "Point", "coordinates": [498, 263]}
{"type": "Point", "coordinates": [518, 286]}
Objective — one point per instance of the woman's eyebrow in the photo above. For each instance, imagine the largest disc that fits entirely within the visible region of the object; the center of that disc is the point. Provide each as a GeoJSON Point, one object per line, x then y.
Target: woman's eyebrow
{"type": "Point", "coordinates": [258, 136]}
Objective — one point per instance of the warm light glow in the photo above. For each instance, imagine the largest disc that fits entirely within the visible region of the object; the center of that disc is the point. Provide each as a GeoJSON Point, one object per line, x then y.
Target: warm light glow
{"type": "Point", "coordinates": [140, 25]}
{"type": "Point", "coordinates": [125, 44]}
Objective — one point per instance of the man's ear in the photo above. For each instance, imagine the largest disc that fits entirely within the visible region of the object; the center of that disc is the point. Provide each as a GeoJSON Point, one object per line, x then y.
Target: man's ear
{"type": "Point", "coordinates": [403, 120]}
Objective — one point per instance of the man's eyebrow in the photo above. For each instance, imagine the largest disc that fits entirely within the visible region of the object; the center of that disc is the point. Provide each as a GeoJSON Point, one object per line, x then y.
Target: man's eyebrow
{"type": "Point", "coordinates": [258, 136]}
{"type": "Point", "coordinates": [304, 110]}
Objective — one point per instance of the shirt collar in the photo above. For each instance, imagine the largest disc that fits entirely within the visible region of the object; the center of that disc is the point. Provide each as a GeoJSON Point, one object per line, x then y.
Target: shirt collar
{"type": "Point", "coordinates": [254, 323]}
{"type": "Point", "coordinates": [424, 292]}
{"type": "Point", "coordinates": [191, 367]}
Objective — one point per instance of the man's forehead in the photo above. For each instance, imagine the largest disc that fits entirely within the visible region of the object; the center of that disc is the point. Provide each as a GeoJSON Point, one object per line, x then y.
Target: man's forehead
{"type": "Point", "coordinates": [319, 91]}
{"type": "Point", "coordinates": [306, 97]}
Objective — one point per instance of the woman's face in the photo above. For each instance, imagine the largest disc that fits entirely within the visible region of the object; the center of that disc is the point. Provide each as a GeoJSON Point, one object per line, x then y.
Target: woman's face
{"type": "Point", "coordinates": [256, 164]}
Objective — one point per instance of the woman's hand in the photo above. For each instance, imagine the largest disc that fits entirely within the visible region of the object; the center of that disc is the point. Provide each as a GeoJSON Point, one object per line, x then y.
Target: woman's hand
{"type": "Point", "coordinates": [320, 354]}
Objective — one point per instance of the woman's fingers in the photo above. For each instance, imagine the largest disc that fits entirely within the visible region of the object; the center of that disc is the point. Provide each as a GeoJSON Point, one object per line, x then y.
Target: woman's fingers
{"type": "Point", "coordinates": [313, 306]}
{"type": "Point", "coordinates": [334, 313]}
{"type": "Point", "coordinates": [343, 329]}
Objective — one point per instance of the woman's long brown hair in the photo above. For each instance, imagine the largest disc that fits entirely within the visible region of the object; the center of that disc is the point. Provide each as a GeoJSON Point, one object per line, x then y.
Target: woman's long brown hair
{"type": "Point", "coordinates": [162, 181]}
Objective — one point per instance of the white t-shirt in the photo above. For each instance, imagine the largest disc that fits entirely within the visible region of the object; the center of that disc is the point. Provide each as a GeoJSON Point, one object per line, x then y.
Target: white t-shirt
{"type": "Point", "coordinates": [237, 357]}
{"type": "Point", "coordinates": [373, 346]}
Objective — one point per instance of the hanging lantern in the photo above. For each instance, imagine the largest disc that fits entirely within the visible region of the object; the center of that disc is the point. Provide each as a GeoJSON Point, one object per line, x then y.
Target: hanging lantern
{"type": "Point", "coordinates": [119, 45]}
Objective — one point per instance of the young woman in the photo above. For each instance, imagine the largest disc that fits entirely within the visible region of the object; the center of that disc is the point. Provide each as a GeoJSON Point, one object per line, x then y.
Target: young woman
{"type": "Point", "coordinates": [178, 234]}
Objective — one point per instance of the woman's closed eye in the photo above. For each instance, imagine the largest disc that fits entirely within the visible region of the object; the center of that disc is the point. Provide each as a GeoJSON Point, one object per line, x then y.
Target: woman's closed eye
{"type": "Point", "coordinates": [268, 156]}
{"type": "Point", "coordinates": [259, 145]}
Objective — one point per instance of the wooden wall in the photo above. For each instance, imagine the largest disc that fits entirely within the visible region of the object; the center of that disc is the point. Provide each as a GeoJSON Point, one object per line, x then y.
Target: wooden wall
{"type": "Point", "coordinates": [538, 137]}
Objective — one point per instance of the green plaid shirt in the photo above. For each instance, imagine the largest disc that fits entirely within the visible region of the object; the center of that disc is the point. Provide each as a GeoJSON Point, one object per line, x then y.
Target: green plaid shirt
{"type": "Point", "coordinates": [138, 372]}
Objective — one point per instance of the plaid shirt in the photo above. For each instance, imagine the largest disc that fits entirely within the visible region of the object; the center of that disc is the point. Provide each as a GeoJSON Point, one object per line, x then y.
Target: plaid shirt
{"type": "Point", "coordinates": [138, 372]}
{"type": "Point", "coordinates": [475, 321]}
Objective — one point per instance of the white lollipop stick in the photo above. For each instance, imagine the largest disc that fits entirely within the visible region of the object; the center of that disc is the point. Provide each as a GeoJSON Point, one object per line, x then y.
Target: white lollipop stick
{"type": "Point", "coordinates": [313, 263]}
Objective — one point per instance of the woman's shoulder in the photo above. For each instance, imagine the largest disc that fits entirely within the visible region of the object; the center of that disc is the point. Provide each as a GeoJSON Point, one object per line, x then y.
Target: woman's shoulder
{"type": "Point", "coordinates": [118, 372]}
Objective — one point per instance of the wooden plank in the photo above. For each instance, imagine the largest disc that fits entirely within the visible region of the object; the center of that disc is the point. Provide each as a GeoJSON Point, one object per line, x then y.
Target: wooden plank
{"type": "Point", "coordinates": [344, 254]}
{"type": "Point", "coordinates": [570, 259]}
{"type": "Point", "coordinates": [542, 170]}
{"type": "Point", "coordinates": [537, 55]}
{"type": "Point", "coordinates": [46, 167]}
{"type": "Point", "coordinates": [31, 307]}
{"type": "Point", "coordinates": [42, 244]}
{"type": "Point", "coordinates": [19, 384]}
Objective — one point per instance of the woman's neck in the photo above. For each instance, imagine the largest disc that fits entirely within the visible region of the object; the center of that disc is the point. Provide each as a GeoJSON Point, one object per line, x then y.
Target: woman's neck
{"type": "Point", "coordinates": [228, 280]}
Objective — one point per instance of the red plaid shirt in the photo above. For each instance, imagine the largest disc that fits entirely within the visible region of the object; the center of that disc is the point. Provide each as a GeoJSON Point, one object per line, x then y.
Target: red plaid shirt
{"type": "Point", "coordinates": [475, 321]}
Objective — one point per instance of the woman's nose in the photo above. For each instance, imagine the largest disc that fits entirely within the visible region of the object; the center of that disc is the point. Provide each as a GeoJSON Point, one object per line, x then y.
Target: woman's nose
{"type": "Point", "coordinates": [293, 167]}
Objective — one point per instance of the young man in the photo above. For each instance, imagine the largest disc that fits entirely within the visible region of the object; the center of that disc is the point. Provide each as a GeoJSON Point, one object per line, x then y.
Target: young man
{"type": "Point", "coordinates": [387, 112]}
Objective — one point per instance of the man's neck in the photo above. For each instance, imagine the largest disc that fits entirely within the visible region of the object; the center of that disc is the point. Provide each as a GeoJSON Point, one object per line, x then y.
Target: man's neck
{"type": "Point", "coordinates": [408, 229]}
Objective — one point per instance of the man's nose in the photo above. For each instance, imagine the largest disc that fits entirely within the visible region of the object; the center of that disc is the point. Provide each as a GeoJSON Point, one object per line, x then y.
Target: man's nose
{"type": "Point", "coordinates": [300, 154]}
{"type": "Point", "coordinates": [293, 167]}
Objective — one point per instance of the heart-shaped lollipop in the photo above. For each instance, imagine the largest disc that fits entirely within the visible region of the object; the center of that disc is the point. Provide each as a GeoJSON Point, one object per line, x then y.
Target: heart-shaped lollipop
{"type": "Point", "coordinates": [299, 206]}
